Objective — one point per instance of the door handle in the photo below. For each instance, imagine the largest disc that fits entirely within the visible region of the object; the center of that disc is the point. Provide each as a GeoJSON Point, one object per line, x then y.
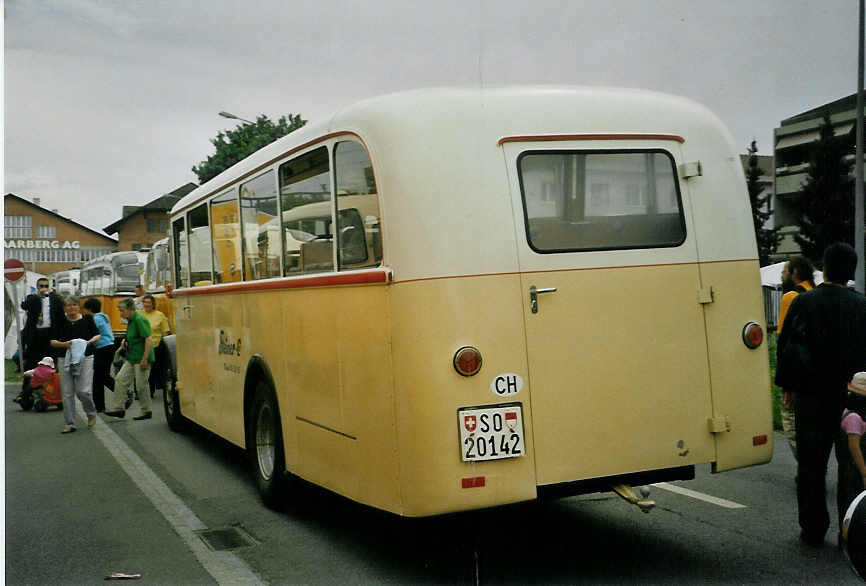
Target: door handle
{"type": "Point", "coordinates": [533, 296]}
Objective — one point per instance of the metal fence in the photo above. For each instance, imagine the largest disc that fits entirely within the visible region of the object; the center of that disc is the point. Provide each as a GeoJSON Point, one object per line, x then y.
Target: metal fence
{"type": "Point", "coordinates": [772, 300]}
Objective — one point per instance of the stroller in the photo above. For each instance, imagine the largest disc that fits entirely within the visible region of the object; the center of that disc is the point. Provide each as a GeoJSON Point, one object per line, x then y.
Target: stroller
{"type": "Point", "coordinates": [41, 397]}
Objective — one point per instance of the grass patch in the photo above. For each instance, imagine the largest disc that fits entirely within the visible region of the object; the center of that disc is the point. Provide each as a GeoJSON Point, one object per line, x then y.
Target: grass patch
{"type": "Point", "coordinates": [11, 372]}
{"type": "Point", "coordinates": [775, 391]}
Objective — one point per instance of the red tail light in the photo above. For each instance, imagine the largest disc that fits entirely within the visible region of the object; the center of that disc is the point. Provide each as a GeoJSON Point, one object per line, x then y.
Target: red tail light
{"type": "Point", "coordinates": [467, 361]}
{"type": "Point", "coordinates": [753, 335]}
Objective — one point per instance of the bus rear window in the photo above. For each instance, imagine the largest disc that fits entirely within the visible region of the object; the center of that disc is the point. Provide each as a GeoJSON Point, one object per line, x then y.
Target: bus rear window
{"type": "Point", "coordinates": [600, 200]}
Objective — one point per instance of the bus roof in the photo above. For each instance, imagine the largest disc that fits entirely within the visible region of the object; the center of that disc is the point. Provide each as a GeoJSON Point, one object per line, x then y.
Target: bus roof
{"type": "Point", "coordinates": [439, 160]}
{"type": "Point", "coordinates": [503, 111]}
{"type": "Point", "coordinates": [114, 258]}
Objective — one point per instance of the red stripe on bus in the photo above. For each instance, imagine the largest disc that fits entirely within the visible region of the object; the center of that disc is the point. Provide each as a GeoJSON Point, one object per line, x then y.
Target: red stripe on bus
{"type": "Point", "coordinates": [473, 482]}
{"type": "Point", "coordinates": [551, 137]}
{"type": "Point", "coordinates": [290, 283]}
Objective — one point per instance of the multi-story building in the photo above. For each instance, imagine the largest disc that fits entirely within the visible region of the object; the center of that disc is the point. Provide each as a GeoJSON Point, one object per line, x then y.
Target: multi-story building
{"type": "Point", "coordinates": [141, 226]}
{"type": "Point", "coordinates": [765, 180]}
{"type": "Point", "coordinates": [793, 140]}
{"type": "Point", "coordinates": [45, 241]}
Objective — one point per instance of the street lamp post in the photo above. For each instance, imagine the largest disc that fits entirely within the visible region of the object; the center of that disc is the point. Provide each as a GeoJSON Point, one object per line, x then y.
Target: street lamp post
{"type": "Point", "coordinates": [859, 276]}
{"type": "Point", "coordinates": [233, 117]}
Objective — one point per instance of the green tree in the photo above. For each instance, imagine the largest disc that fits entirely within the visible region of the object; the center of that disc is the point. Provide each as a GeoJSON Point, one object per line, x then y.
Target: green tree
{"type": "Point", "coordinates": [826, 202]}
{"type": "Point", "coordinates": [762, 210]}
{"type": "Point", "coordinates": [235, 145]}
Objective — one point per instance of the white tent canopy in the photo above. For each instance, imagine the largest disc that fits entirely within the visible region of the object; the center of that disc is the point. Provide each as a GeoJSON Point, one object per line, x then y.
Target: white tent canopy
{"type": "Point", "coordinates": [771, 275]}
{"type": "Point", "coordinates": [23, 287]}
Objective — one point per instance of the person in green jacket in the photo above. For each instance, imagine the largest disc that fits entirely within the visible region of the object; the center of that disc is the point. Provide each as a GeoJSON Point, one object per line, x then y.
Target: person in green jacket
{"type": "Point", "coordinates": [139, 358]}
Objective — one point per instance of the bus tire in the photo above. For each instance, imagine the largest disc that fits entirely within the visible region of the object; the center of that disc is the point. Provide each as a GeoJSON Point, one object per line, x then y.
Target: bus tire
{"type": "Point", "coordinates": [265, 446]}
{"type": "Point", "coordinates": [171, 404]}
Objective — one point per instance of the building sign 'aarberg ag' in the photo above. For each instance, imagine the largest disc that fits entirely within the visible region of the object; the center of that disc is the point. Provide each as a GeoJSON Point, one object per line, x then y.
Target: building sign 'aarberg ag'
{"type": "Point", "coordinates": [42, 244]}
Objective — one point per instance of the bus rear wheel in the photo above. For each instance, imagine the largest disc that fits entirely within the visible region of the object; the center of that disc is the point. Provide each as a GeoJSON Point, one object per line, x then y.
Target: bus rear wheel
{"type": "Point", "coordinates": [171, 403]}
{"type": "Point", "coordinates": [265, 446]}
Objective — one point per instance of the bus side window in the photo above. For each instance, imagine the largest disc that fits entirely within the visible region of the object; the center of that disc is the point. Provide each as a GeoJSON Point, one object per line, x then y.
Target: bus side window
{"type": "Point", "coordinates": [260, 227]}
{"type": "Point", "coordinates": [225, 217]}
{"type": "Point", "coordinates": [181, 258]}
{"type": "Point", "coordinates": [200, 256]}
{"type": "Point", "coordinates": [358, 225]}
{"type": "Point", "coordinates": [305, 204]}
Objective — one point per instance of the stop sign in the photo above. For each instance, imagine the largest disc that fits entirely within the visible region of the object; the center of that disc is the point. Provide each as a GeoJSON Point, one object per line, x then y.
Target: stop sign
{"type": "Point", "coordinates": [13, 269]}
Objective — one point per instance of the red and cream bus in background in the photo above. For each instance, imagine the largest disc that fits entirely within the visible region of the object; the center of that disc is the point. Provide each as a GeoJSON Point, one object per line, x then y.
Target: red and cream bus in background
{"type": "Point", "coordinates": [443, 300]}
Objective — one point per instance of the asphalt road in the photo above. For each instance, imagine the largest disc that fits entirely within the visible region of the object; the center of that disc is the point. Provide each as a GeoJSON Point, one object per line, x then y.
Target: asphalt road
{"type": "Point", "coordinates": [131, 496]}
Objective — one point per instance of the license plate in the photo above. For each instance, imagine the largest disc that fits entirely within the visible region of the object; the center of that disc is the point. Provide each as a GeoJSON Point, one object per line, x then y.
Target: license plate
{"type": "Point", "coordinates": [491, 433]}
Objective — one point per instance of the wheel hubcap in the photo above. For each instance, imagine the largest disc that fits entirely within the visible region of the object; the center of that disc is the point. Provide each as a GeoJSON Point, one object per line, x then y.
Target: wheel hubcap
{"type": "Point", "coordinates": [170, 396]}
{"type": "Point", "coordinates": [265, 449]}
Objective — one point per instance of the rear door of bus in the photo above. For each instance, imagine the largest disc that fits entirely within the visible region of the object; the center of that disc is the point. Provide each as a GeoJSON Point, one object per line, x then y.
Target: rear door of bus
{"type": "Point", "coordinates": [615, 331]}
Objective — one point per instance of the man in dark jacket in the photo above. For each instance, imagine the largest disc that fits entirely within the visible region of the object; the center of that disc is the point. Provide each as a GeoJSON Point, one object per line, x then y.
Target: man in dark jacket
{"type": "Point", "coordinates": [44, 317]}
{"type": "Point", "coordinates": [826, 330]}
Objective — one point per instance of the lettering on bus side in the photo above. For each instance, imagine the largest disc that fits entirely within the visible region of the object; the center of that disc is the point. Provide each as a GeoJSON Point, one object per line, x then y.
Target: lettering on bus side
{"type": "Point", "coordinates": [226, 347]}
{"type": "Point", "coordinates": [507, 384]}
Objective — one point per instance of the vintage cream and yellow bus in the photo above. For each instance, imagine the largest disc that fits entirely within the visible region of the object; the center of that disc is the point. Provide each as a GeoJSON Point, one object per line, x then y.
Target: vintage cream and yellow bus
{"type": "Point", "coordinates": [157, 278]}
{"type": "Point", "coordinates": [443, 300]}
{"type": "Point", "coordinates": [110, 278]}
{"type": "Point", "coordinates": [66, 282]}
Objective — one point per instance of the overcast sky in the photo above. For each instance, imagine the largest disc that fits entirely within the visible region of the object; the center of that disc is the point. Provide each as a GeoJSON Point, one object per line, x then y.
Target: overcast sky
{"type": "Point", "coordinates": [110, 103]}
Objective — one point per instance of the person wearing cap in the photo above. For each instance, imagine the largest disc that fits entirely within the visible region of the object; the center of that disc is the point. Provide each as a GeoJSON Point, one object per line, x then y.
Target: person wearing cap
{"type": "Point", "coordinates": [36, 377]}
{"type": "Point", "coordinates": [798, 276]}
{"type": "Point", "coordinates": [43, 372]}
{"type": "Point", "coordinates": [849, 446]}
{"type": "Point", "coordinates": [825, 330]}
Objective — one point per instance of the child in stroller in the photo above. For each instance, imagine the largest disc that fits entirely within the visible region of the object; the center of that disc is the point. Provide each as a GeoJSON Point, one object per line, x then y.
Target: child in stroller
{"type": "Point", "coordinates": [41, 387]}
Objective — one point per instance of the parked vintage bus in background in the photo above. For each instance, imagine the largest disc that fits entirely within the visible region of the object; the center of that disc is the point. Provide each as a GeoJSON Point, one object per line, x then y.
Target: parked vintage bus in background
{"type": "Point", "coordinates": [443, 300]}
{"type": "Point", "coordinates": [66, 282]}
{"type": "Point", "coordinates": [110, 278]}
{"type": "Point", "coordinates": [157, 278]}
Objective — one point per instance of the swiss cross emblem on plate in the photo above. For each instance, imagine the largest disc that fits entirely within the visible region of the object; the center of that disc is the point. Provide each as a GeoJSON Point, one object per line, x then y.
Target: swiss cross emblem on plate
{"type": "Point", "coordinates": [470, 422]}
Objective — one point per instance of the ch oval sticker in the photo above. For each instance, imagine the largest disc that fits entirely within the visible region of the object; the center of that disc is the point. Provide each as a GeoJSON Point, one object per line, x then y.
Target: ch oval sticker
{"type": "Point", "coordinates": [505, 385]}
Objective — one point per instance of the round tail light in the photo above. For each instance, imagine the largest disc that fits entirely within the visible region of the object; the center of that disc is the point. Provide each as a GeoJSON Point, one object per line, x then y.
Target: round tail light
{"type": "Point", "coordinates": [467, 361]}
{"type": "Point", "coordinates": [753, 335]}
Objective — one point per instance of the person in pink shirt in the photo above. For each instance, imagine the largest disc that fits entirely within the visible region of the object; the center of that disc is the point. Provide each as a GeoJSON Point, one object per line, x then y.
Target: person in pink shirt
{"type": "Point", "coordinates": [849, 446]}
{"type": "Point", "coordinates": [43, 373]}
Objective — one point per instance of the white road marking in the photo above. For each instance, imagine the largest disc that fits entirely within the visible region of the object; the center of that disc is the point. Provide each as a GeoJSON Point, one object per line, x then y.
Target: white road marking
{"type": "Point", "coordinates": [224, 566]}
{"type": "Point", "coordinates": [699, 495]}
